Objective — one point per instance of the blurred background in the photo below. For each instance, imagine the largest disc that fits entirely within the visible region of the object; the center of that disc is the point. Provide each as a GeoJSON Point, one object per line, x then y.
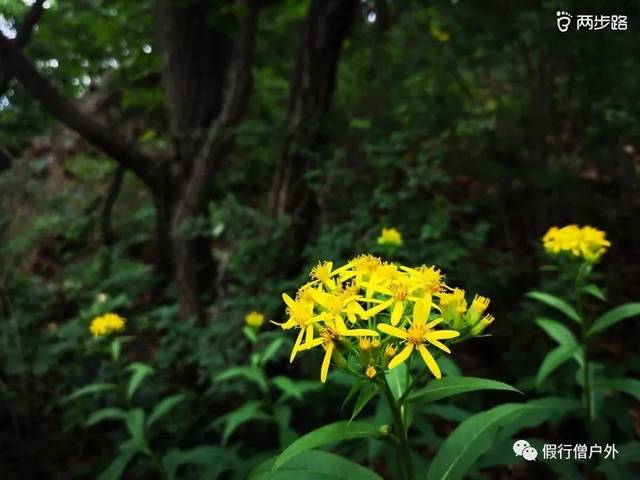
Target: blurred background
{"type": "Point", "coordinates": [184, 162]}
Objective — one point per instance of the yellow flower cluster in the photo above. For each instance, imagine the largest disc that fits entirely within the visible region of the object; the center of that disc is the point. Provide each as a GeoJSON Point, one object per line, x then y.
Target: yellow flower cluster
{"type": "Point", "coordinates": [390, 236]}
{"type": "Point", "coordinates": [379, 313]}
{"type": "Point", "coordinates": [106, 324]}
{"type": "Point", "coordinates": [584, 242]}
{"type": "Point", "coordinates": [254, 319]}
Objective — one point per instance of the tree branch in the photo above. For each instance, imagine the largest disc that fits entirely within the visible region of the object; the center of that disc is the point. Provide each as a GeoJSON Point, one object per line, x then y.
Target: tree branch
{"type": "Point", "coordinates": [99, 135]}
{"type": "Point", "coordinates": [23, 35]}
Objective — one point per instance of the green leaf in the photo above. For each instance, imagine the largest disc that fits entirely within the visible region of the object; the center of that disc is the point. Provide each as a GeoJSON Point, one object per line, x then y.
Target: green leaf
{"type": "Point", "coordinates": [472, 438]}
{"type": "Point", "coordinates": [105, 414]}
{"type": "Point", "coordinates": [398, 380]}
{"type": "Point", "coordinates": [630, 386]}
{"type": "Point", "coordinates": [212, 460]}
{"type": "Point", "coordinates": [554, 359]}
{"type": "Point", "coordinates": [557, 331]}
{"type": "Point", "coordinates": [247, 412]}
{"type": "Point", "coordinates": [313, 465]}
{"type": "Point", "coordinates": [117, 467]}
{"type": "Point", "coordinates": [90, 390]}
{"type": "Point", "coordinates": [164, 406]}
{"type": "Point", "coordinates": [551, 409]}
{"type": "Point", "coordinates": [140, 372]}
{"type": "Point", "coordinates": [116, 348]}
{"type": "Point", "coordinates": [250, 333]}
{"type": "Point", "coordinates": [335, 432]}
{"type": "Point", "coordinates": [614, 316]}
{"type": "Point", "coordinates": [355, 388]}
{"type": "Point", "coordinates": [288, 387]}
{"type": "Point", "coordinates": [450, 386]}
{"type": "Point", "coordinates": [594, 291]}
{"type": "Point", "coordinates": [556, 303]}
{"type": "Point", "coordinates": [271, 350]}
{"type": "Point", "coordinates": [449, 412]}
{"type": "Point", "coordinates": [135, 425]}
{"type": "Point", "coordinates": [254, 374]}
{"type": "Point", "coordinates": [366, 395]}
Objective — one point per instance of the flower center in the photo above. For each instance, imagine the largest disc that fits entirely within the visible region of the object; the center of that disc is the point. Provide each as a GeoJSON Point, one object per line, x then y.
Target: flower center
{"type": "Point", "coordinates": [415, 333]}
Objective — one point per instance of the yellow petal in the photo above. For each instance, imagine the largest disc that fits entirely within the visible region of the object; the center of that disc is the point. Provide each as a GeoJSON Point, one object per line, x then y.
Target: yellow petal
{"type": "Point", "coordinates": [421, 311]}
{"type": "Point", "coordinates": [296, 346]}
{"type": "Point", "coordinates": [442, 334]}
{"type": "Point", "coordinates": [435, 322]}
{"type": "Point", "coordinates": [309, 336]}
{"type": "Point", "coordinates": [340, 324]}
{"type": "Point", "coordinates": [359, 332]}
{"type": "Point", "coordinates": [377, 309]}
{"type": "Point", "coordinates": [430, 361]}
{"type": "Point", "coordinates": [401, 357]}
{"type": "Point", "coordinates": [439, 344]}
{"type": "Point", "coordinates": [396, 315]}
{"type": "Point", "coordinates": [325, 363]}
{"type": "Point", "coordinates": [288, 300]}
{"type": "Point", "coordinates": [393, 331]}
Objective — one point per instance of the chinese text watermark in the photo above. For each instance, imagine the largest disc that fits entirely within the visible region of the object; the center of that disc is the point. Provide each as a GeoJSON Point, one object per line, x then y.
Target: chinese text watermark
{"type": "Point", "coordinates": [590, 22]}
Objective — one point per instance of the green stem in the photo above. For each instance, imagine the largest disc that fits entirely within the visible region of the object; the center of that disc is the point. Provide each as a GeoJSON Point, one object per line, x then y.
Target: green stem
{"type": "Point", "coordinates": [584, 339]}
{"type": "Point", "coordinates": [404, 451]}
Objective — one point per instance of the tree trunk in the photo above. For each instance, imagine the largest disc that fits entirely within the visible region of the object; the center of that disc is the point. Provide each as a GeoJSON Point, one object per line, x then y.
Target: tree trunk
{"type": "Point", "coordinates": [327, 25]}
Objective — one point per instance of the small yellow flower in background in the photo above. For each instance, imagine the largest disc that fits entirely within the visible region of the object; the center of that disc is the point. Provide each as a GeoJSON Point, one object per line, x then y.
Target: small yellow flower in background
{"type": "Point", "coordinates": [101, 297]}
{"type": "Point", "coordinates": [390, 236]}
{"type": "Point", "coordinates": [390, 351]}
{"type": "Point", "coordinates": [365, 344]}
{"type": "Point", "coordinates": [371, 371]}
{"type": "Point", "coordinates": [375, 343]}
{"type": "Point", "coordinates": [583, 242]}
{"type": "Point", "coordinates": [254, 319]}
{"type": "Point", "coordinates": [440, 35]}
{"type": "Point", "coordinates": [107, 324]}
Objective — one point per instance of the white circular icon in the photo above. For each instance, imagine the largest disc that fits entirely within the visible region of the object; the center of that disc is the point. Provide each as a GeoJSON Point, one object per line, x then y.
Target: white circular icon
{"type": "Point", "coordinates": [523, 449]}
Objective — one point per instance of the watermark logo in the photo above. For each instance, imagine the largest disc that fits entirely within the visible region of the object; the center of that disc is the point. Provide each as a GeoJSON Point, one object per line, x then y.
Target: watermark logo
{"type": "Point", "coordinates": [551, 451]}
{"type": "Point", "coordinates": [523, 449]}
{"type": "Point", "coordinates": [590, 22]}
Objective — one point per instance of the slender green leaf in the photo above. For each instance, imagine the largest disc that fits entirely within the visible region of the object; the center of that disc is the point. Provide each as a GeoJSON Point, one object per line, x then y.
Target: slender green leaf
{"type": "Point", "coordinates": [447, 411]}
{"type": "Point", "coordinates": [557, 331]}
{"type": "Point", "coordinates": [250, 333]}
{"type": "Point", "coordinates": [271, 350]}
{"type": "Point", "coordinates": [556, 303]}
{"type": "Point", "coordinates": [135, 425]}
{"type": "Point", "coordinates": [313, 465]}
{"type": "Point", "coordinates": [335, 432]}
{"type": "Point", "coordinates": [164, 406]}
{"type": "Point", "coordinates": [116, 348]}
{"type": "Point", "coordinates": [254, 374]}
{"type": "Point", "coordinates": [90, 390]}
{"type": "Point", "coordinates": [554, 359]}
{"type": "Point", "coordinates": [140, 372]}
{"type": "Point", "coordinates": [614, 316]}
{"type": "Point", "coordinates": [630, 386]}
{"type": "Point", "coordinates": [213, 461]}
{"type": "Point", "coordinates": [594, 291]}
{"type": "Point", "coordinates": [450, 386]}
{"type": "Point", "coordinates": [250, 411]}
{"type": "Point", "coordinates": [472, 438]}
{"type": "Point", "coordinates": [355, 388]}
{"type": "Point", "coordinates": [117, 467]}
{"type": "Point", "coordinates": [366, 395]}
{"type": "Point", "coordinates": [552, 409]}
{"type": "Point", "coordinates": [105, 414]}
{"type": "Point", "coordinates": [288, 387]}
{"type": "Point", "coordinates": [398, 380]}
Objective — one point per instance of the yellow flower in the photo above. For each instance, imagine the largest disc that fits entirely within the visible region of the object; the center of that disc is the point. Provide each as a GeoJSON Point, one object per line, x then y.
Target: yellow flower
{"type": "Point", "coordinates": [330, 336]}
{"type": "Point", "coordinates": [477, 308]}
{"type": "Point", "coordinates": [375, 343]}
{"type": "Point", "coordinates": [301, 316]}
{"type": "Point", "coordinates": [440, 35]}
{"type": "Point", "coordinates": [583, 242]}
{"type": "Point", "coordinates": [417, 334]}
{"type": "Point", "coordinates": [254, 319]}
{"type": "Point", "coordinates": [399, 291]}
{"type": "Point", "coordinates": [453, 306]}
{"type": "Point", "coordinates": [107, 324]}
{"type": "Point", "coordinates": [479, 327]}
{"type": "Point", "coordinates": [390, 351]}
{"type": "Point", "coordinates": [390, 236]}
{"type": "Point", "coordinates": [364, 344]}
{"type": "Point", "coordinates": [428, 279]}
{"type": "Point", "coordinates": [371, 371]}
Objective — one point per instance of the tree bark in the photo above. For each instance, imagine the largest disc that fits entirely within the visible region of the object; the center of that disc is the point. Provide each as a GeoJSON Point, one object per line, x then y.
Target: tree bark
{"type": "Point", "coordinates": [327, 25]}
